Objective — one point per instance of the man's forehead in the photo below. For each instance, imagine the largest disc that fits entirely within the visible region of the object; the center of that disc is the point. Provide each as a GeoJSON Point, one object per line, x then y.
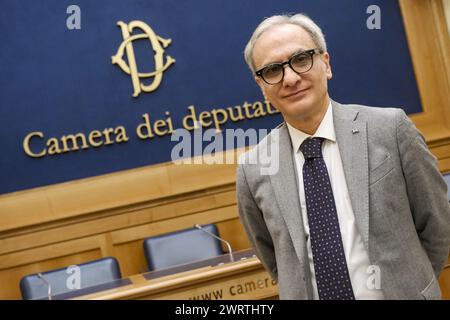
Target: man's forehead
{"type": "Point", "coordinates": [282, 34]}
{"type": "Point", "coordinates": [279, 42]}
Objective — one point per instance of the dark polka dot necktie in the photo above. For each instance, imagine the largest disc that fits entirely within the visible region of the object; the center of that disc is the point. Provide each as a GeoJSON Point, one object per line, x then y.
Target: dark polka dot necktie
{"type": "Point", "coordinates": [332, 277]}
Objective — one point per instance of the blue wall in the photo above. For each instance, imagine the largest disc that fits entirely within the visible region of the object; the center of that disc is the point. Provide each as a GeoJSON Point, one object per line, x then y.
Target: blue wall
{"type": "Point", "coordinates": [59, 81]}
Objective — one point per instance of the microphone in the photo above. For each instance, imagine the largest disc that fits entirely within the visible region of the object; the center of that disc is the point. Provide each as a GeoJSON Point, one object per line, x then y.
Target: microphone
{"type": "Point", "coordinates": [230, 252]}
{"type": "Point", "coordinates": [49, 293]}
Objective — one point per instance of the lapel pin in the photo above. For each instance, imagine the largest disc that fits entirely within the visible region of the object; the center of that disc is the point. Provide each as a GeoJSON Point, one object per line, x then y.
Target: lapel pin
{"type": "Point", "coordinates": [354, 130]}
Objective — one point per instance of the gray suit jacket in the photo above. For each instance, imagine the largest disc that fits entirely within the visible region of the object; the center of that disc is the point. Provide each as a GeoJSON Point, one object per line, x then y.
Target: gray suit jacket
{"type": "Point", "coordinates": [397, 193]}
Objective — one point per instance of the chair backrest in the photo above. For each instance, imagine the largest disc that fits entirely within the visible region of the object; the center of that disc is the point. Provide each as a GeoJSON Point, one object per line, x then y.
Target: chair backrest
{"type": "Point", "coordinates": [91, 273]}
{"type": "Point", "coordinates": [181, 247]}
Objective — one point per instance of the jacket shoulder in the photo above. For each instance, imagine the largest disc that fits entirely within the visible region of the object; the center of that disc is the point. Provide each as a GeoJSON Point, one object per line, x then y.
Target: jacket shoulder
{"type": "Point", "coordinates": [253, 156]}
{"type": "Point", "coordinates": [379, 118]}
{"type": "Point", "coordinates": [372, 113]}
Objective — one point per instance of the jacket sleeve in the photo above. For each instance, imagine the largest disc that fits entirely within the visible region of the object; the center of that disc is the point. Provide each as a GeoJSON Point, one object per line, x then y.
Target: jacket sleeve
{"type": "Point", "coordinates": [254, 224]}
{"type": "Point", "coordinates": [427, 192]}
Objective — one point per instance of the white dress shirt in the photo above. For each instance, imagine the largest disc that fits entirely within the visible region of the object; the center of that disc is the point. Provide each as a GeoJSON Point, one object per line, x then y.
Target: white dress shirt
{"type": "Point", "coordinates": [355, 253]}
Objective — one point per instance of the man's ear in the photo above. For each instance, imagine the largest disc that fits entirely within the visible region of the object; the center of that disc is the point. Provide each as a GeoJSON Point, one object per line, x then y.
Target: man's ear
{"type": "Point", "coordinates": [326, 60]}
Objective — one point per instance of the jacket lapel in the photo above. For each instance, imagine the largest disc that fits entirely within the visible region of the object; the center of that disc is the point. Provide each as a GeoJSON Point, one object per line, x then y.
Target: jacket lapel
{"type": "Point", "coordinates": [351, 135]}
{"type": "Point", "coordinates": [285, 187]}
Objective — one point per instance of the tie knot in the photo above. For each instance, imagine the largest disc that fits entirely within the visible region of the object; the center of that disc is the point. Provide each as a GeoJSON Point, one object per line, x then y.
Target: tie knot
{"type": "Point", "coordinates": [312, 148]}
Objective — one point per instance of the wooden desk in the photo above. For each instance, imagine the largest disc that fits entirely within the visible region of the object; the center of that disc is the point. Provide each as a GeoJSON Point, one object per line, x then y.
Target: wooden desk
{"type": "Point", "coordinates": [444, 281]}
{"type": "Point", "coordinates": [244, 279]}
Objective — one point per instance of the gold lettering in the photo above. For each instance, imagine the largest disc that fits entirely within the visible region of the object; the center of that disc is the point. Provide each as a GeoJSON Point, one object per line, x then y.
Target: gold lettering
{"type": "Point", "coordinates": [26, 145]}
{"type": "Point", "coordinates": [73, 138]}
{"type": "Point", "coordinates": [232, 116]}
{"type": "Point", "coordinates": [160, 124]}
{"type": "Point", "coordinates": [269, 108]}
{"type": "Point", "coordinates": [106, 133]}
{"type": "Point", "coordinates": [146, 125]}
{"type": "Point", "coordinates": [121, 134]}
{"type": "Point", "coordinates": [191, 117]}
{"type": "Point", "coordinates": [169, 122]}
{"type": "Point", "coordinates": [158, 44]}
{"type": "Point", "coordinates": [94, 135]}
{"type": "Point", "coordinates": [53, 146]}
{"type": "Point", "coordinates": [202, 116]}
{"type": "Point", "coordinates": [247, 114]}
{"type": "Point", "coordinates": [71, 142]}
{"type": "Point", "coordinates": [216, 120]}
{"type": "Point", "coordinates": [259, 111]}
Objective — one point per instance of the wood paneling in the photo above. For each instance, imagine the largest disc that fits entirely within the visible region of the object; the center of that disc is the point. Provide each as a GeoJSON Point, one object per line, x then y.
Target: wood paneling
{"type": "Point", "coordinates": [444, 282]}
{"type": "Point", "coordinates": [429, 44]}
{"type": "Point", "coordinates": [119, 231]}
{"type": "Point", "coordinates": [78, 221]}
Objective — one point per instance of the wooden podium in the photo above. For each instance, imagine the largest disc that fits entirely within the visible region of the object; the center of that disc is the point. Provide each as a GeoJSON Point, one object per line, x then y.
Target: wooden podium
{"type": "Point", "coordinates": [212, 279]}
{"type": "Point", "coordinates": [218, 278]}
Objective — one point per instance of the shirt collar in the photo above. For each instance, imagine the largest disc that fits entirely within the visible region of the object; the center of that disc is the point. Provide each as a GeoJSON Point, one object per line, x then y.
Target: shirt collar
{"type": "Point", "coordinates": [325, 130]}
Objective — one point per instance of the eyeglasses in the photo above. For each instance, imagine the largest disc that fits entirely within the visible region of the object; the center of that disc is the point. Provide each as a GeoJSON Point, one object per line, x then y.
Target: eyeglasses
{"type": "Point", "coordinates": [300, 63]}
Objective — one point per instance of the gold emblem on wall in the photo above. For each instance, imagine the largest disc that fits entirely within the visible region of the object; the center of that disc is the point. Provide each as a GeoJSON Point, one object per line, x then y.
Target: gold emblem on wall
{"type": "Point", "coordinates": [158, 44]}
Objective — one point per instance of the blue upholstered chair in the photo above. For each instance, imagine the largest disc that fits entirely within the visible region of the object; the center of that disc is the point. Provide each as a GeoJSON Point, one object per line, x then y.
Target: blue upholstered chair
{"type": "Point", "coordinates": [92, 273]}
{"type": "Point", "coordinates": [182, 247]}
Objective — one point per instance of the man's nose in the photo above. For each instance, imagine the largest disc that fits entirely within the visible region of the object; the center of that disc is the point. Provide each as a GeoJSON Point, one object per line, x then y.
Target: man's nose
{"type": "Point", "coordinates": [290, 76]}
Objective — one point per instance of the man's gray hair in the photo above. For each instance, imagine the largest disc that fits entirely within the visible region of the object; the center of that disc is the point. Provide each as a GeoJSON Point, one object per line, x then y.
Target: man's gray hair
{"type": "Point", "coordinates": [299, 19]}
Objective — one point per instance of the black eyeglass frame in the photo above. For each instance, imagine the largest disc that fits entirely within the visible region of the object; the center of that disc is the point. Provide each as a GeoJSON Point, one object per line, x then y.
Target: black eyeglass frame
{"type": "Point", "coordinates": [310, 53]}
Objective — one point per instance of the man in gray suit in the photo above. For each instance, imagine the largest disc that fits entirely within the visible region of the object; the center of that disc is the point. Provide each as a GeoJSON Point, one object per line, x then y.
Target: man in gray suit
{"type": "Point", "coordinates": [357, 208]}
